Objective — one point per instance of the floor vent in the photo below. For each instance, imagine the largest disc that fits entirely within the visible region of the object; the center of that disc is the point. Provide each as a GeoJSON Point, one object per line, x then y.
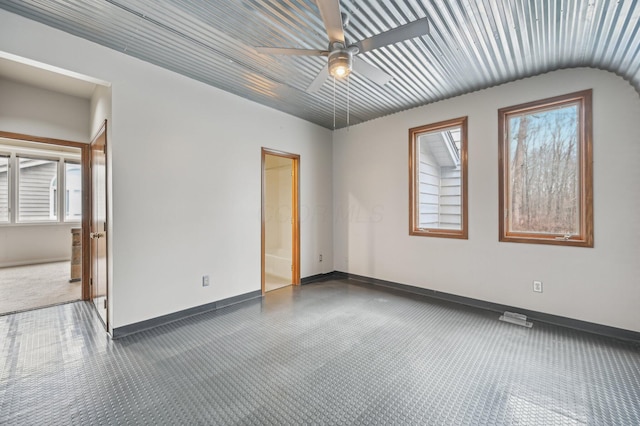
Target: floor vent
{"type": "Point", "coordinates": [517, 319]}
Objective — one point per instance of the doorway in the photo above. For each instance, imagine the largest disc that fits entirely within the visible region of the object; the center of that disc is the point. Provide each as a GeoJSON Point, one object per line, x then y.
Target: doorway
{"type": "Point", "coordinates": [98, 225]}
{"type": "Point", "coordinates": [280, 220]}
{"type": "Point", "coordinates": [42, 216]}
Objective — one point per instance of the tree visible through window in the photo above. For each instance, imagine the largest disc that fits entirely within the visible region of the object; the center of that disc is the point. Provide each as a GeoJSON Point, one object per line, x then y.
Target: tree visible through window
{"type": "Point", "coordinates": [545, 162]}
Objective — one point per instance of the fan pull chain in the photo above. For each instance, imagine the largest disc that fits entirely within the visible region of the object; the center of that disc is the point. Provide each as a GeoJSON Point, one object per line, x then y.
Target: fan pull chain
{"type": "Point", "coordinates": [334, 103]}
{"type": "Point", "coordinates": [348, 94]}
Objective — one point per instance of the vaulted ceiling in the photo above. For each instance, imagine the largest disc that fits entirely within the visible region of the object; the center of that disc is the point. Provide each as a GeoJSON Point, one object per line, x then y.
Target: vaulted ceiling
{"type": "Point", "coordinates": [470, 45]}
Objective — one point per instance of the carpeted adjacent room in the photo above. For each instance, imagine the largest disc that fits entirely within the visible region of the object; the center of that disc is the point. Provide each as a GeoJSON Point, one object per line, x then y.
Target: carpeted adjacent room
{"type": "Point", "coordinates": [34, 286]}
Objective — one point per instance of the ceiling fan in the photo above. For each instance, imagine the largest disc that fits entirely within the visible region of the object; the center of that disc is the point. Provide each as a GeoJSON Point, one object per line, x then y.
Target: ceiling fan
{"type": "Point", "coordinates": [341, 55]}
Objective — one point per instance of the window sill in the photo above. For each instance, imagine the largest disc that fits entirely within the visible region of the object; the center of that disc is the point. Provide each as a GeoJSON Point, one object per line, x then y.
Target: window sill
{"type": "Point", "coordinates": [32, 224]}
{"type": "Point", "coordinates": [439, 233]}
{"type": "Point", "coordinates": [548, 240]}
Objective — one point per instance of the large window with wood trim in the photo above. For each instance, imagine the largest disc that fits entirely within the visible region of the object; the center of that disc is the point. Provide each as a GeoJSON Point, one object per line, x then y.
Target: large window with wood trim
{"type": "Point", "coordinates": [545, 171]}
{"type": "Point", "coordinates": [438, 179]}
{"type": "Point", "coordinates": [39, 183]}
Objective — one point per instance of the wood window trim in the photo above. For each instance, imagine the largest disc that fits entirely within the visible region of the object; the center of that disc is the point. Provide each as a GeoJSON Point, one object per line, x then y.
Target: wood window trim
{"type": "Point", "coordinates": [414, 230]}
{"type": "Point", "coordinates": [85, 158]}
{"type": "Point", "coordinates": [585, 144]}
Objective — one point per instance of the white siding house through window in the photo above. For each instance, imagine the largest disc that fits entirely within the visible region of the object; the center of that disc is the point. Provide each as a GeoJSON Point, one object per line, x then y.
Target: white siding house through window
{"type": "Point", "coordinates": [39, 184]}
{"type": "Point", "coordinates": [439, 180]}
{"type": "Point", "coordinates": [4, 188]}
{"type": "Point", "coordinates": [37, 192]}
{"type": "Point", "coordinates": [73, 192]}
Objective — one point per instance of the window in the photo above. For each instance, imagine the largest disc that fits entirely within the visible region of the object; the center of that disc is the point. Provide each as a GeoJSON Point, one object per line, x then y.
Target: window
{"type": "Point", "coordinates": [545, 171]}
{"type": "Point", "coordinates": [73, 192]}
{"type": "Point", "coordinates": [37, 184]}
{"type": "Point", "coordinates": [4, 188]}
{"type": "Point", "coordinates": [438, 179]}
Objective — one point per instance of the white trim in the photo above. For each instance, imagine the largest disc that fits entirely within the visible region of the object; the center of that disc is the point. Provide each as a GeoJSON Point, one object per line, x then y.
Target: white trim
{"type": "Point", "coordinates": [51, 68]}
{"type": "Point", "coordinates": [40, 223]}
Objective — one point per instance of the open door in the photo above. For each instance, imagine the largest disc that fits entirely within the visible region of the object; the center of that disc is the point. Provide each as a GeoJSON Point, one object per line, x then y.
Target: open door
{"type": "Point", "coordinates": [98, 226]}
{"type": "Point", "coordinates": [280, 220]}
{"type": "Point", "coordinates": [43, 190]}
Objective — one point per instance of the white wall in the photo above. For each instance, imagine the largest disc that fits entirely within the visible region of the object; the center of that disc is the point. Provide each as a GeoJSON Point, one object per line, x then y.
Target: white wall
{"type": "Point", "coordinates": [100, 109]}
{"type": "Point", "coordinates": [600, 284]}
{"type": "Point", "coordinates": [31, 244]}
{"type": "Point", "coordinates": [185, 165]}
{"type": "Point", "coordinates": [278, 208]}
{"type": "Point", "coordinates": [39, 112]}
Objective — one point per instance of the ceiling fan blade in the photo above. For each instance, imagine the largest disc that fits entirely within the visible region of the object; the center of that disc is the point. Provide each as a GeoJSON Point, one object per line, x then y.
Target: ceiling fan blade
{"type": "Point", "coordinates": [404, 32]}
{"type": "Point", "coordinates": [372, 73]}
{"type": "Point", "coordinates": [288, 51]}
{"type": "Point", "coordinates": [332, 18]}
{"type": "Point", "coordinates": [317, 82]}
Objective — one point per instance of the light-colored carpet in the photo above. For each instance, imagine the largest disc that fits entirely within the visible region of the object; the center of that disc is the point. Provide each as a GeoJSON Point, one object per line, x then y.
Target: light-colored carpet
{"type": "Point", "coordinates": [34, 286]}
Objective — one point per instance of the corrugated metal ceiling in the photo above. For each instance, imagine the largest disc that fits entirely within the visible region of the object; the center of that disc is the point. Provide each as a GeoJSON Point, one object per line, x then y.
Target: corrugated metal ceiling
{"type": "Point", "coordinates": [471, 45]}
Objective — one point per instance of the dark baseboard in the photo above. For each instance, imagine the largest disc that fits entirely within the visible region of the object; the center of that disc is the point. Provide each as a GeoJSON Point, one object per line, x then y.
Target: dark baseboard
{"type": "Point", "coordinates": [175, 316]}
{"type": "Point", "coordinates": [318, 278]}
{"type": "Point", "coordinates": [589, 327]}
{"type": "Point", "coordinates": [603, 330]}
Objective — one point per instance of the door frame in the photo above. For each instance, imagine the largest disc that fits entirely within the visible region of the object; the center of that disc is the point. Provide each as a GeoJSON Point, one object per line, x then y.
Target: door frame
{"type": "Point", "coordinates": [84, 164]}
{"type": "Point", "coordinates": [295, 214]}
{"type": "Point", "coordinates": [100, 132]}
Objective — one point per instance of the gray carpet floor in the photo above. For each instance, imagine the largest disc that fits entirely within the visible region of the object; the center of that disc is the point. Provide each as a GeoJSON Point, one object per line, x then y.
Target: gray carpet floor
{"type": "Point", "coordinates": [35, 286]}
{"type": "Point", "coordinates": [334, 353]}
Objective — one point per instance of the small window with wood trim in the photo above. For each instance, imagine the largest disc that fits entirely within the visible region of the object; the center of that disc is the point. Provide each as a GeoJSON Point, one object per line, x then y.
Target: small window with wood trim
{"type": "Point", "coordinates": [545, 171]}
{"type": "Point", "coordinates": [438, 179]}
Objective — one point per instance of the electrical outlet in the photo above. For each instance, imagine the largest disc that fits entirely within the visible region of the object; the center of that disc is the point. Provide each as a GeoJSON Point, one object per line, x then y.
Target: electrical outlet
{"type": "Point", "coordinates": [537, 286]}
{"type": "Point", "coordinates": [205, 281]}
{"type": "Point", "coordinates": [320, 258]}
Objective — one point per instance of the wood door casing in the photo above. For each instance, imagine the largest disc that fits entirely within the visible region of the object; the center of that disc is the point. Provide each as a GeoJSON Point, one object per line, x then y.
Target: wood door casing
{"type": "Point", "coordinates": [295, 214]}
{"type": "Point", "coordinates": [98, 224]}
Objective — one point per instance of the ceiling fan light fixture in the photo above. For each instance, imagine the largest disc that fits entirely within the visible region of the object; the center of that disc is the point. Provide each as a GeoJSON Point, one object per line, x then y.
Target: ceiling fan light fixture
{"type": "Point", "coordinates": [340, 63]}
